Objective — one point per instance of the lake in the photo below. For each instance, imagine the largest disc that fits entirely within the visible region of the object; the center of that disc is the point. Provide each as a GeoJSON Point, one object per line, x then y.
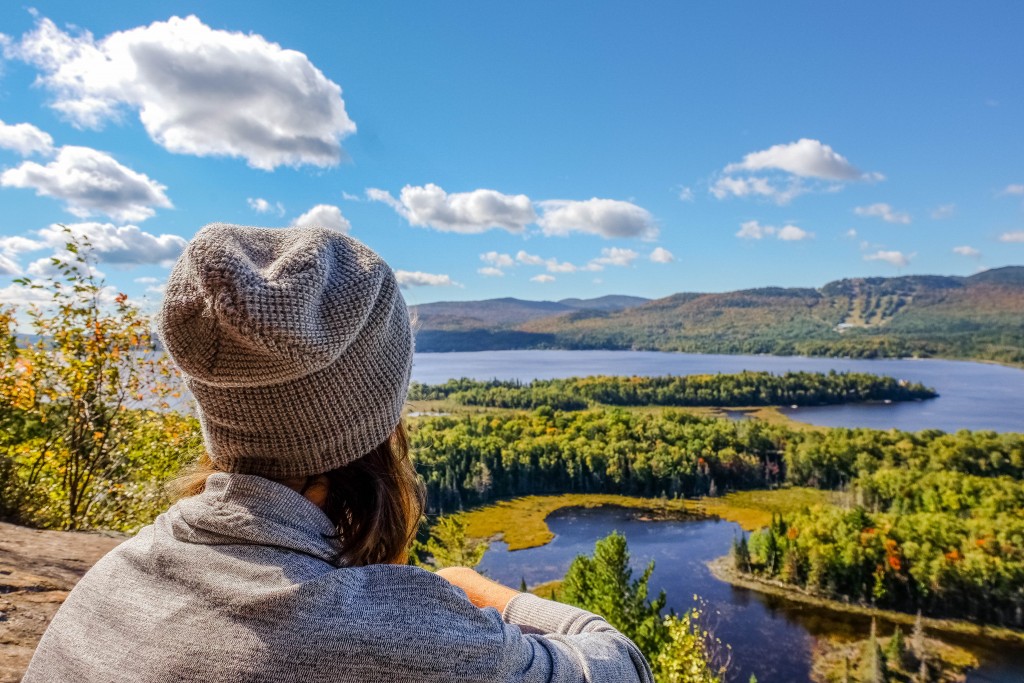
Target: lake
{"type": "Point", "coordinates": [971, 395]}
{"type": "Point", "coordinates": [771, 638]}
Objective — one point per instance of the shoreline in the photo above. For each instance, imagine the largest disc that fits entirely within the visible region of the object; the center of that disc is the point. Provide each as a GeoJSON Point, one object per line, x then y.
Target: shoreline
{"type": "Point", "coordinates": [721, 570]}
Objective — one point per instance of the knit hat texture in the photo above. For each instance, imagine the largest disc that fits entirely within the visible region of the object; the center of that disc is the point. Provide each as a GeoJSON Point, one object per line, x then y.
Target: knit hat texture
{"type": "Point", "coordinates": [295, 342]}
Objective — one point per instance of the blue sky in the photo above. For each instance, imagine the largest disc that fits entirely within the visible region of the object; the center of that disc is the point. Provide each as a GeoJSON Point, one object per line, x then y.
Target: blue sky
{"type": "Point", "coordinates": [535, 149]}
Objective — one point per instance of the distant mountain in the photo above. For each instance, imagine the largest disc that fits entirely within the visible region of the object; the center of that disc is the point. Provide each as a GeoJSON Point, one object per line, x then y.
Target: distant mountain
{"type": "Point", "coordinates": [981, 316]}
{"type": "Point", "coordinates": [493, 323]}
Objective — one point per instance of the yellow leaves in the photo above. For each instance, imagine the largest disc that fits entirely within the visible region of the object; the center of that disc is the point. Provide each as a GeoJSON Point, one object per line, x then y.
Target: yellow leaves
{"type": "Point", "coordinates": [98, 436]}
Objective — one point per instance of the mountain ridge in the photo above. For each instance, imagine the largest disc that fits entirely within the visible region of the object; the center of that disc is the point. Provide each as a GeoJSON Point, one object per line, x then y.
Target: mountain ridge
{"type": "Point", "coordinates": [979, 316]}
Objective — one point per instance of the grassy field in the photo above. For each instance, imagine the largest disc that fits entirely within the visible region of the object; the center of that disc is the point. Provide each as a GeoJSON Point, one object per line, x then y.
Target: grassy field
{"type": "Point", "coordinates": [521, 522]}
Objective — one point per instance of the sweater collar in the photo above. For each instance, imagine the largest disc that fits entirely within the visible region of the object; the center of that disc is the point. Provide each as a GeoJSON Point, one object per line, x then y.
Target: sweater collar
{"type": "Point", "coordinates": [244, 509]}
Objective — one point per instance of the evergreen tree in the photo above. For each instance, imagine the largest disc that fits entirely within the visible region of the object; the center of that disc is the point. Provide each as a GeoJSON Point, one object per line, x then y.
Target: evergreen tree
{"type": "Point", "coordinates": [522, 584]}
{"type": "Point", "coordinates": [741, 553]}
{"type": "Point", "coordinates": [603, 584]}
{"type": "Point", "coordinates": [896, 650]}
{"type": "Point", "coordinates": [448, 545]}
{"type": "Point", "coordinates": [917, 644]}
{"type": "Point", "coordinates": [872, 666]}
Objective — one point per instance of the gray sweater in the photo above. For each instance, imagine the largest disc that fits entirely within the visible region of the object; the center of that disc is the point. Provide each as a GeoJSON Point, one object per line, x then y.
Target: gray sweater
{"type": "Point", "coordinates": [236, 584]}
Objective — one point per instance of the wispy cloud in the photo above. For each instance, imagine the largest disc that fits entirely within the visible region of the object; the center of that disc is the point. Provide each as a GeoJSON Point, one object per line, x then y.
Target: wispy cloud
{"type": "Point", "coordinates": [754, 230]}
{"type": "Point", "coordinates": [895, 258]}
{"type": "Point", "coordinates": [1013, 236]}
{"type": "Point", "coordinates": [261, 205]}
{"type": "Point", "coordinates": [415, 278]}
{"type": "Point", "coordinates": [883, 211]}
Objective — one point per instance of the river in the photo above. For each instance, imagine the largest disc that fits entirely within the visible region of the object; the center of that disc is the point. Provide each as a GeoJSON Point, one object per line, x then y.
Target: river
{"type": "Point", "coordinates": [771, 638]}
{"type": "Point", "coordinates": [971, 395]}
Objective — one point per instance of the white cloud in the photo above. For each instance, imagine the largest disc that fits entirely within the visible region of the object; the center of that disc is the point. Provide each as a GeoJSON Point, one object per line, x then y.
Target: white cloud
{"type": "Point", "coordinates": [91, 182]}
{"type": "Point", "coordinates": [661, 255]}
{"type": "Point", "coordinates": [685, 194]}
{"type": "Point", "coordinates": [326, 216]}
{"type": "Point", "coordinates": [415, 278]}
{"type": "Point", "coordinates": [542, 278]}
{"type": "Point", "coordinates": [943, 211]}
{"type": "Point", "coordinates": [529, 259]}
{"type": "Point", "coordinates": [8, 266]}
{"type": "Point", "coordinates": [553, 265]}
{"type": "Point", "coordinates": [462, 212]}
{"type": "Point", "coordinates": [806, 158]}
{"type": "Point", "coordinates": [895, 258]}
{"type": "Point", "coordinates": [615, 256]}
{"type": "Point", "coordinates": [753, 230]}
{"type": "Point", "coordinates": [791, 233]}
{"type": "Point", "coordinates": [742, 187]}
{"type": "Point", "coordinates": [787, 171]}
{"type": "Point", "coordinates": [126, 244]}
{"type": "Point", "coordinates": [349, 197]}
{"type": "Point", "coordinates": [970, 252]}
{"type": "Point", "coordinates": [19, 295]}
{"type": "Point", "coordinates": [261, 205]}
{"type": "Point", "coordinates": [491, 271]}
{"type": "Point", "coordinates": [1015, 236]}
{"type": "Point", "coordinates": [851, 234]}
{"type": "Point", "coordinates": [19, 245]}
{"type": "Point", "coordinates": [498, 260]}
{"type": "Point", "coordinates": [25, 139]}
{"type": "Point", "coordinates": [146, 280]}
{"type": "Point", "coordinates": [605, 217]}
{"type": "Point", "coordinates": [197, 90]}
{"type": "Point", "coordinates": [883, 211]}
{"type": "Point", "coordinates": [1013, 189]}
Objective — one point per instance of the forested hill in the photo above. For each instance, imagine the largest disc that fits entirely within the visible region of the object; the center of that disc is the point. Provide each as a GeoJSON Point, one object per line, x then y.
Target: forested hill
{"type": "Point", "coordinates": [981, 317]}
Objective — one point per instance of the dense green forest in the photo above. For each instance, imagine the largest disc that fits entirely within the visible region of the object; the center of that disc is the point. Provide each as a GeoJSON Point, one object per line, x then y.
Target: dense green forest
{"type": "Point", "coordinates": [935, 521]}
{"type": "Point", "coordinates": [920, 316]}
{"type": "Point", "coordinates": [936, 524]}
{"type": "Point", "coordinates": [741, 389]}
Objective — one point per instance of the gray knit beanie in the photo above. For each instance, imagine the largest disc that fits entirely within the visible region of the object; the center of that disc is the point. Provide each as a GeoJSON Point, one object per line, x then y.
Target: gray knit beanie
{"type": "Point", "coordinates": [295, 342]}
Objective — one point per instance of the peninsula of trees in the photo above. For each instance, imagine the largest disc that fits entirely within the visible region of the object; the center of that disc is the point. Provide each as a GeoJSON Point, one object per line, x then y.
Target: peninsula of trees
{"type": "Point", "coordinates": [722, 390]}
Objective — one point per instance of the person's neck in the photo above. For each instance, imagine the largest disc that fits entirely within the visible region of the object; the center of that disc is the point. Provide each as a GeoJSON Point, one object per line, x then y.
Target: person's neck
{"type": "Point", "coordinates": [314, 488]}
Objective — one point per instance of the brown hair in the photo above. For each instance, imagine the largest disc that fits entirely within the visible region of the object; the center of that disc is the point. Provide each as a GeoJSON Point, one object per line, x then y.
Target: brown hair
{"type": "Point", "coordinates": [375, 502]}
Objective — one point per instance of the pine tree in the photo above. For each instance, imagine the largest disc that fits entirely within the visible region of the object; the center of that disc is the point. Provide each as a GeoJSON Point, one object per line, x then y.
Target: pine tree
{"type": "Point", "coordinates": [872, 668]}
{"type": "Point", "coordinates": [741, 553]}
{"type": "Point", "coordinates": [522, 584]}
{"type": "Point", "coordinates": [449, 546]}
{"type": "Point", "coordinates": [917, 639]}
{"type": "Point", "coordinates": [603, 584]}
{"type": "Point", "coordinates": [896, 650]}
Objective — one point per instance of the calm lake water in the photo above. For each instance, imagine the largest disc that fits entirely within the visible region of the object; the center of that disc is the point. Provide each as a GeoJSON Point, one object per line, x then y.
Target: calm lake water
{"type": "Point", "coordinates": [971, 395]}
{"type": "Point", "coordinates": [771, 638]}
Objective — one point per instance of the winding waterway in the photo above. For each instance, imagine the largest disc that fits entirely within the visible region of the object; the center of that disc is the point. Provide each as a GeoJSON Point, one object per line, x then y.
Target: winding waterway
{"type": "Point", "coordinates": [770, 637]}
{"type": "Point", "coordinates": [971, 395]}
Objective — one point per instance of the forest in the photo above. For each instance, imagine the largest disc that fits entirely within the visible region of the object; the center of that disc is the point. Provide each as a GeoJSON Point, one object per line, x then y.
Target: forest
{"type": "Point", "coordinates": [746, 388]}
